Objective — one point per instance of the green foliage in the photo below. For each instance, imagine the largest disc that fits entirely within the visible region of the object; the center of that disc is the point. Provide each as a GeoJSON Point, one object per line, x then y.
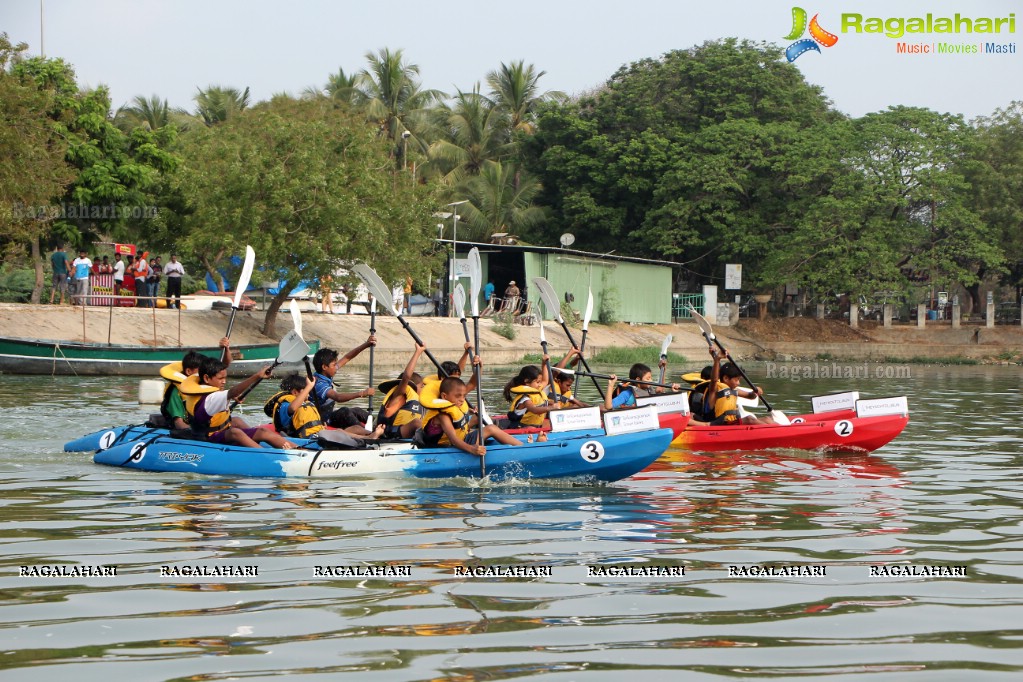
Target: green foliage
{"type": "Point", "coordinates": [570, 316]}
{"type": "Point", "coordinates": [16, 284]}
{"type": "Point", "coordinates": [308, 186]}
{"type": "Point", "coordinates": [504, 325]}
{"type": "Point", "coordinates": [626, 357]}
{"type": "Point", "coordinates": [608, 312]}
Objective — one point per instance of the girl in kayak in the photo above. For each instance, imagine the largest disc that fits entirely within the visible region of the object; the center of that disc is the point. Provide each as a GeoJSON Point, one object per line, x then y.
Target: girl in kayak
{"type": "Point", "coordinates": [527, 395]}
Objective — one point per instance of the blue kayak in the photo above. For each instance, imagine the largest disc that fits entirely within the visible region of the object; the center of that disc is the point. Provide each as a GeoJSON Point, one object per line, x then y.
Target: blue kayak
{"type": "Point", "coordinates": [579, 456]}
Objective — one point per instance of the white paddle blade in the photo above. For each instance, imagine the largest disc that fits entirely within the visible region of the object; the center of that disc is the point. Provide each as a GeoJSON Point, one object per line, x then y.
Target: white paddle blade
{"type": "Point", "coordinates": [702, 322]}
{"type": "Point", "coordinates": [296, 316]}
{"type": "Point", "coordinates": [549, 296]}
{"type": "Point", "coordinates": [459, 300]}
{"type": "Point", "coordinates": [292, 348]}
{"type": "Point", "coordinates": [484, 417]}
{"type": "Point", "coordinates": [377, 289]}
{"type": "Point", "coordinates": [588, 315]}
{"type": "Point", "coordinates": [243, 281]}
{"type": "Point", "coordinates": [369, 423]}
{"type": "Point", "coordinates": [475, 280]}
{"type": "Point", "coordinates": [543, 336]}
{"type": "Point", "coordinates": [665, 345]}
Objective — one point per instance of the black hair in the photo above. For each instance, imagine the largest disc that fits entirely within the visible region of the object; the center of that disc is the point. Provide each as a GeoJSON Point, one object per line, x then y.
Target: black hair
{"type": "Point", "coordinates": [729, 371]}
{"type": "Point", "coordinates": [324, 357]}
{"type": "Point", "coordinates": [192, 360]}
{"type": "Point", "coordinates": [638, 370]}
{"type": "Point", "coordinates": [210, 367]}
{"type": "Point", "coordinates": [448, 384]}
{"type": "Point", "coordinates": [707, 372]}
{"type": "Point", "coordinates": [450, 368]}
{"type": "Point", "coordinates": [560, 376]}
{"type": "Point", "coordinates": [293, 382]}
{"type": "Point", "coordinates": [526, 374]}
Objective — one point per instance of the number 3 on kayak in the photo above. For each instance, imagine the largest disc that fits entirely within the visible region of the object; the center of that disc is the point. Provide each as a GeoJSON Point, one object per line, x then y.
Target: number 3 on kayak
{"type": "Point", "coordinates": [592, 451]}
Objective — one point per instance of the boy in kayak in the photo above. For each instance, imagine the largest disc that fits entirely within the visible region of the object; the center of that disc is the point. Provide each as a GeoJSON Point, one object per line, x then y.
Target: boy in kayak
{"type": "Point", "coordinates": [401, 413]}
{"type": "Point", "coordinates": [326, 363]}
{"type": "Point", "coordinates": [561, 386]}
{"type": "Point", "coordinates": [722, 400]}
{"type": "Point", "coordinates": [209, 406]}
{"type": "Point", "coordinates": [449, 421]}
{"type": "Point", "coordinates": [638, 386]}
{"type": "Point", "coordinates": [293, 413]}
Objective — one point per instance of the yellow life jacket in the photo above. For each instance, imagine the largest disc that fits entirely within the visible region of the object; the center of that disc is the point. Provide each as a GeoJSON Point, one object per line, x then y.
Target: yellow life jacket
{"type": "Point", "coordinates": [726, 405]}
{"type": "Point", "coordinates": [432, 434]}
{"type": "Point", "coordinates": [192, 392]}
{"type": "Point", "coordinates": [552, 396]}
{"type": "Point", "coordinates": [518, 412]}
{"type": "Point", "coordinates": [409, 412]}
{"type": "Point", "coordinates": [304, 422]}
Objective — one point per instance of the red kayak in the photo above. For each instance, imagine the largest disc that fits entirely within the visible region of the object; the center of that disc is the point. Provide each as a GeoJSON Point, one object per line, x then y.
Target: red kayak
{"type": "Point", "coordinates": [842, 430]}
{"type": "Point", "coordinates": [676, 421]}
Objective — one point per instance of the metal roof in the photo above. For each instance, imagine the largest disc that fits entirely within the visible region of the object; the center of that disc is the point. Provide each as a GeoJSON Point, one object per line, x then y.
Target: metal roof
{"type": "Point", "coordinates": [531, 248]}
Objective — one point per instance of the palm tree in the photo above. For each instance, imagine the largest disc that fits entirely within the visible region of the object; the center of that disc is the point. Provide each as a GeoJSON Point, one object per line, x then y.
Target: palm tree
{"type": "Point", "coordinates": [515, 89]}
{"type": "Point", "coordinates": [217, 103]}
{"type": "Point", "coordinates": [474, 130]}
{"type": "Point", "coordinates": [501, 199]}
{"type": "Point", "coordinates": [393, 95]}
{"type": "Point", "coordinates": [340, 87]}
{"type": "Point", "coordinates": [152, 114]}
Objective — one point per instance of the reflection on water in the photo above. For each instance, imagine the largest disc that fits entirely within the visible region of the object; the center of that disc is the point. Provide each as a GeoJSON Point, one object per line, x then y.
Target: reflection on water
{"type": "Point", "coordinates": [947, 492]}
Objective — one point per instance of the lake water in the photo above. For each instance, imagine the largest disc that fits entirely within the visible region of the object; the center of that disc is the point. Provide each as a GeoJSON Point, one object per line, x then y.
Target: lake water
{"type": "Point", "coordinates": [948, 492]}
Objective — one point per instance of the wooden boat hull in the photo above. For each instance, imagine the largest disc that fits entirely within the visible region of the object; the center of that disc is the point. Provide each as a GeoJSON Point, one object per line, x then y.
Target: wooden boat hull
{"type": "Point", "coordinates": [28, 356]}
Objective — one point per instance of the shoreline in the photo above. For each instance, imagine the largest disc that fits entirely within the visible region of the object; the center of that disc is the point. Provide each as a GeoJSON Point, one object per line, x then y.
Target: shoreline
{"type": "Point", "coordinates": [778, 340]}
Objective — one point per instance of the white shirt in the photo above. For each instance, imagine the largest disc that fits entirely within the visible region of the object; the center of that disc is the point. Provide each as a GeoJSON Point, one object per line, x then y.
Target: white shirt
{"type": "Point", "coordinates": [173, 267]}
{"type": "Point", "coordinates": [119, 271]}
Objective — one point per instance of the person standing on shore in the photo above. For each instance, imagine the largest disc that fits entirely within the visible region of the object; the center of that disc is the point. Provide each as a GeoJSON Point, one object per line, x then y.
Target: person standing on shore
{"type": "Point", "coordinates": [153, 281]}
{"type": "Point", "coordinates": [83, 268]}
{"type": "Point", "coordinates": [118, 274]}
{"type": "Point", "coordinates": [140, 271]}
{"type": "Point", "coordinates": [174, 271]}
{"type": "Point", "coordinates": [60, 263]}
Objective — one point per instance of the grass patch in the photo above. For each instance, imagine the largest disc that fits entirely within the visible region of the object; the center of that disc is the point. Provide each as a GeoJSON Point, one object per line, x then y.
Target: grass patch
{"type": "Point", "coordinates": [504, 326]}
{"type": "Point", "coordinates": [947, 360]}
{"type": "Point", "coordinates": [648, 355]}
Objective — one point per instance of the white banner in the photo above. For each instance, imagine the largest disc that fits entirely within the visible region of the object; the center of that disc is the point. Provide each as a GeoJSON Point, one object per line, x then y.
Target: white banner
{"type": "Point", "coordinates": [882, 406]}
{"type": "Point", "coordinates": [733, 276]}
{"type": "Point", "coordinates": [666, 403]}
{"type": "Point", "coordinates": [576, 419]}
{"type": "Point", "coordinates": [631, 421]}
{"type": "Point", "coordinates": [835, 402]}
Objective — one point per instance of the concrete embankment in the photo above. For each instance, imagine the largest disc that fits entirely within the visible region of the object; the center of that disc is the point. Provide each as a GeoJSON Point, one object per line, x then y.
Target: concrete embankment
{"type": "Point", "coordinates": [780, 339]}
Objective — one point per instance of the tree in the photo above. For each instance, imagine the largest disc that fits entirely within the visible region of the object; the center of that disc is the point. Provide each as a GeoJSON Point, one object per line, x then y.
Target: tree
{"type": "Point", "coordinates": [996, 180]}
{"type": "Point", "coordinates": [34, 169]}
{"type": "Point", "coordinates": [516, 91]}
{"type": "Point", "coordinates": [152, 114]}
{"type": "Point", "coordinates": [474, 131]}
{"type": "Point", "coordinates": [308, 186]}
{"type": "Point", "coordinates": [216, 103]}
{"type": "Point", "coordinates": [394, 99]}
{"type": "Point", "coordinates": [501, 200]}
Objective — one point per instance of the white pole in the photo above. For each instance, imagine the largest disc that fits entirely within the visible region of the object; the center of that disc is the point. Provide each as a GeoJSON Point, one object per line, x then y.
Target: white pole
{"type": "Point", "coordinates": [454, 260]}
{"type": "Point", "coordinates": [42, 43]}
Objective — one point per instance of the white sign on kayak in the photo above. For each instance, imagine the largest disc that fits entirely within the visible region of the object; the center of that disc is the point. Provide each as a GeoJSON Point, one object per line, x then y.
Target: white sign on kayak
{"type": "Point", "coordinates": [879, 407]}
{"type": "Point", "coordinates": [575, 420]}
{"type": "Point", "coordinates": [631, 421]}
{"type": "Point", "coordinates": [666, 403]}
{"type": "Point", "coordinates": [835, 402]}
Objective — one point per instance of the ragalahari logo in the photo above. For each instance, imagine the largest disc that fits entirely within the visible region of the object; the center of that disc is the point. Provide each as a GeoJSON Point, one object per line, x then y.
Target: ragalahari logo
{"type": "Point", "coordinates": [818, 36]}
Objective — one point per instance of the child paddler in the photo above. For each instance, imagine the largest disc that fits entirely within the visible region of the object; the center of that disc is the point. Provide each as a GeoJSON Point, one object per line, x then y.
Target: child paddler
{"type": "Point", "coordinates": [526, 392]}
{"type": "Point", "coordinates": [638, 386]}
{"type": "Point", "coordinates": [449, 422]}
{"type": "Point", "coordinates": [327, 362]}
{"type": "Point", "coordinates": [561, 383]}
{"type": "Point", "coordinates": [172, 407]}
{"type": "Point", "coordinates": [723, 401]}
{"type": "Point", "coordinates": [208, 405]}
{"type": "Point", "coordinates": [401, 413]}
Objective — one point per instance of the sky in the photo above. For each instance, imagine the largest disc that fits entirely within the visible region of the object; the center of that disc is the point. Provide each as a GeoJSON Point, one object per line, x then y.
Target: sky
{"type": "Point", "coordinates": [172, 48]}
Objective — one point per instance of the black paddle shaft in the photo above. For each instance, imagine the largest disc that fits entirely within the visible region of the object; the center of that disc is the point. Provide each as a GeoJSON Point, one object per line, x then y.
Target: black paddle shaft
{"type": "Point", "coordinates": [743, 373]}
{"type": "Point", "coordinates": [582, 359]}
{"type": "Point", "coordinates": [479, 392]}
{"type": "Point", "coordinates": [681, 389]}
{"type": "Point", "coordinates": [372, 332]}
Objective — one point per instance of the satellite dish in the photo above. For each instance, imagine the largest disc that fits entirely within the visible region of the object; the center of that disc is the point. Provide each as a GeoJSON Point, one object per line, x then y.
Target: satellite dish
{"type": "Point", "coordinates": [567, 239]}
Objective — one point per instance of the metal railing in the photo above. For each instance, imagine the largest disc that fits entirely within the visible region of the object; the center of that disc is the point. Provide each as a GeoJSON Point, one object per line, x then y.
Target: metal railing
{"type": "Point", "coordinates": [680, 304]}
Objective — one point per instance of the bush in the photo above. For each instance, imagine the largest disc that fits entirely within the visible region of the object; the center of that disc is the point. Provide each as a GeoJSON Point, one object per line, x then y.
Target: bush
{"type": "Point", "coordinates": [504, 326]}
{"type": "Point", "coordinates": [648, 355]}
{"type": "Point", "coordinates": [16, 284]}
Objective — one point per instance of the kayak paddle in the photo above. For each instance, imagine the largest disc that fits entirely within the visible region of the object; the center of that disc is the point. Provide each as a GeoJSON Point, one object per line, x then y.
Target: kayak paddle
{"type": "Point", "coordinates": [550, 299]}
{"type": "Point", "coordinates": [595, 375]}
{"type": "Point", "coordinates": [476, 282]}
{"type": "Point", "coordinates": [708, 333]}
{"type": "Point", "coordinates": [291, 349]}
{"type": "Point", "coordinates": [664, 356]}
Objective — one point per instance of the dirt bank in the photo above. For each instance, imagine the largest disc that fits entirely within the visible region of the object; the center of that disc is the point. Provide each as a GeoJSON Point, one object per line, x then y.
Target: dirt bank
{"type": "Point", "coordinates": [781, 338]}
